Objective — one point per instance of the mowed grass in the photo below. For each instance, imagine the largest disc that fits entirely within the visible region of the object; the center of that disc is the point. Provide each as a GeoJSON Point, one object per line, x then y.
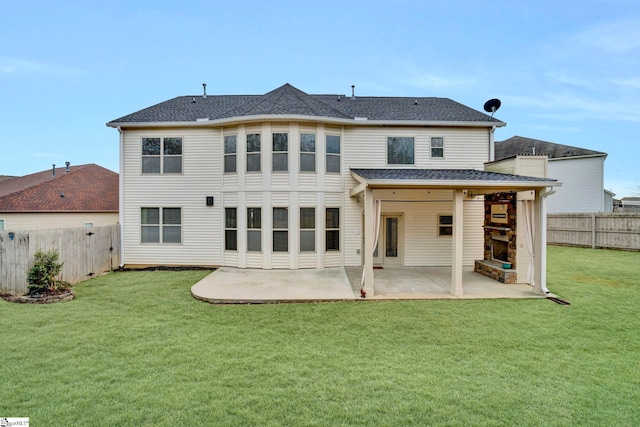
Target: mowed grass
{"type": "Point", "coordinates": [136, 349]}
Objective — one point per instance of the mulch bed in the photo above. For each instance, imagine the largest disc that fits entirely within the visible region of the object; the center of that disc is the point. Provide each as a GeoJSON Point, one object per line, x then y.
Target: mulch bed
{"type": "Point", "coordinates": [39, 299]}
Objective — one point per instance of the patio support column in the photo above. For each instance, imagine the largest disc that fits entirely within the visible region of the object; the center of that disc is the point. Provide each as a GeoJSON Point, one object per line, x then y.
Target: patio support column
{"type": "Point", "coordinates": [456, 244]}
{"type": "Point", "coordinates": [369, 243]}
{"type": "Point", "coordinates": [540, 243]}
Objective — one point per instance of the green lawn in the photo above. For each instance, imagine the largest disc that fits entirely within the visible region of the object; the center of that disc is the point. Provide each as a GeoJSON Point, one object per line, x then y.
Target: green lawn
{"type": "Point", "coordinates": [136, 349]}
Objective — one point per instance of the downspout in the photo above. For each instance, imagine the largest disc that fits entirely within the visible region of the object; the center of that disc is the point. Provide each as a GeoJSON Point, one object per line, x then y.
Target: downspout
{"type": "Point", "coordinates": [121, 196]}
{"type": "Point", "coordinates": [543, 247]}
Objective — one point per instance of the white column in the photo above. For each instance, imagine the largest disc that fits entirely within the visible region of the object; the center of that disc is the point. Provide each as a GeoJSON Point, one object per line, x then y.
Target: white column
{"type": "Point", "coordinates": [456, 244]}
{"type": "Point", "coordinates": [369, 243]}
{"type": "Point", "coordinates": [540, 243]}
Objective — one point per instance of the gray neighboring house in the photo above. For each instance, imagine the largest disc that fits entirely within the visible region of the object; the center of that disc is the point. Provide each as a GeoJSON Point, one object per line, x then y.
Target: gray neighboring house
{"type": "Point", "coordinates": [629, 205]}
{"type": "Point", "coordinates": [580, 170]}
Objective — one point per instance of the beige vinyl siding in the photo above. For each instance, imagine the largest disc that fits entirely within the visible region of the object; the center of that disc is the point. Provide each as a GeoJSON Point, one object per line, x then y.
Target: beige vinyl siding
{"type": "Point", "coordinates": [202, 227]}
{"type": "Point", "coordinates": [464, 148]}
{"type": "Point", "coordinates": [49, 220]}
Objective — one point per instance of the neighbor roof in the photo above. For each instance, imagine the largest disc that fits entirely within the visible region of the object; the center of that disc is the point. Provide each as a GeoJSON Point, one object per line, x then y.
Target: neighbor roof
{"type": "Point", "coordinates": [520, 145]}
{"type": "Point", "coordinates": [85, 188]}
{"type": "Point", "coordinates": [290, 101]}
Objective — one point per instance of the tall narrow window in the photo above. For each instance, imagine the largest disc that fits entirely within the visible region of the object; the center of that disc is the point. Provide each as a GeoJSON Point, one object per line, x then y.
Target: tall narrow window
{"type": "Point", "coordinates": [333, 153]}
{"type": "Point", "coordinates": [253, 152]}
{"type": "Point", "coordinates": [307, 152]}
{"type": "Point", "coordinates": [161, 225]}
{"type": "Point", "coordinates": [230, 153]}
{"type": "Point", "coordinates": [161, 155]}
{"type": "Point", "coordinates": [332, 229]}
{"type": "Point", "coordinates": [254, 229]}
{"type": "Point", "coordinates": [231, 229]}
{"type": "Point", "coordinates": [437, 147]}
{"type": "Point", "coordinates": [1, 224]}
{"type": "Point", "coordinates": [400, 150]}
{"type": "Point", "coordinates": [280, 229]}
{"type": "Point", "coordinates": [280, 159]}
{"type": "Point", "coordinates": [307, 229]}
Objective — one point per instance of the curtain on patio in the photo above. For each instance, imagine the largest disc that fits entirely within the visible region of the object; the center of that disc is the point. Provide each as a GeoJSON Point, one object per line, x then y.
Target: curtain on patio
{"type": "Point", "coordinates": [527, 211]}
{"type": "Point", "coordinates": [376, 232]}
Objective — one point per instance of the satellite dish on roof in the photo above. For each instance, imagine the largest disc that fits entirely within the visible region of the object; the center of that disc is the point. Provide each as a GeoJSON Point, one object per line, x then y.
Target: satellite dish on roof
{"type": "Point", "coordinates": [492, 105]}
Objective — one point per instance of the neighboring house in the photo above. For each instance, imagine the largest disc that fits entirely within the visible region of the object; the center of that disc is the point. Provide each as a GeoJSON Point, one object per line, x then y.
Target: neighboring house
{"type": "Point", "coordinates": [75, 196]}
{"type": "Point", "coordinates": [289, 180]}
{"type": "Point", "coordinates": [580, 170]}
{"type": "Point", "coordinates": [629, 205]}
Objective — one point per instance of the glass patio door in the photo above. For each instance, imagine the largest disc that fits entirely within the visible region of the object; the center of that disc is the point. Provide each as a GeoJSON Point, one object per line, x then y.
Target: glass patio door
{"type": "Point", "coordinates": [388, 250]}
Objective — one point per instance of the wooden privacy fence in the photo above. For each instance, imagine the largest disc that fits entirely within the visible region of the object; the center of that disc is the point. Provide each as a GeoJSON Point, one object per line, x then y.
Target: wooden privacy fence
{"type": "Point", "coordinates": [86, 252]}
{"type": "Point", "coordinates": [595, 230]}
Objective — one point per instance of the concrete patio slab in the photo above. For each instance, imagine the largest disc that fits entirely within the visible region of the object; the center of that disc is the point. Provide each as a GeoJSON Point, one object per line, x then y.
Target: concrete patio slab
{"type": "Point", "coordinates": [235, 285]}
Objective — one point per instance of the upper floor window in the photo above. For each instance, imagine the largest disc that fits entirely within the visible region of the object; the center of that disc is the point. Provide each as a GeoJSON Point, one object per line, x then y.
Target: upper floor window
{"type": "Point", "coordinates": [1, 224]}
{"type": "Point", "coordinates": [254, 229]}
{"type": "Point", "coordinates": [280, 229]}
{"type": "Point", "coordinates": [332, 229]}
{"type": "Point", "coordinates": [253, 152]}
{"type": "Point", "coordinates": [333, 153]}
{"type": "Point", "coordinates": [161, 225]}
{"type": "Point", "coordinates": [161, 155]}
{"type": "Point", "coordinates": [230, 229]}
{"type": "Point", "coordinates": [437, 147]}
{"type": "Point", "coordinates": [230, 150]}
{"type": "Point", "coordinates": [400, 150]}
{"type": "Point", "coordinates": [307, 152]}
{"type": "Point", "coordinates": [280, 152]}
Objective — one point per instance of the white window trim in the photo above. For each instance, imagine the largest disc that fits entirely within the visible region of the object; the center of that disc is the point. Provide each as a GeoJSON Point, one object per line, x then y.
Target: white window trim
{"type": "Point", "coordinates": [248, 153]}
{"type": "Point", "coordinates": [314, 229]}
{"type": "Point", "coordinates": [315, 152]}
{"type": "Point", "coordinates": [162, 155]}
{"type": "Point", "coordinates": [386, 151]}
{"type": "Point", "coordinates": [225, 154]}
{"type": "Point", "coordinates": [339, 155]}
{"type": "Point", "coordinates": [160, 225]}
{"type": "Point", "coordinates": [431, 148]}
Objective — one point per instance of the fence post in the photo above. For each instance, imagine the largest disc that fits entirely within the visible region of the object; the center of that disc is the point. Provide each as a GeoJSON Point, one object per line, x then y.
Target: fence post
{"type": "Point", "coordinates": [593, 230]}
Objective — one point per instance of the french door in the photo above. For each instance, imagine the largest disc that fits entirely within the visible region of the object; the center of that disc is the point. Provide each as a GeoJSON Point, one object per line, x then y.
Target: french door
{"type": "Point", "coordinates": [389, 248]}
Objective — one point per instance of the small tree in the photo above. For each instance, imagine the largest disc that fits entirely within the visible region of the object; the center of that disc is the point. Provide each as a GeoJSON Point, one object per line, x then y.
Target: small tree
{"type": "Point", "coordinates": [44, 275]}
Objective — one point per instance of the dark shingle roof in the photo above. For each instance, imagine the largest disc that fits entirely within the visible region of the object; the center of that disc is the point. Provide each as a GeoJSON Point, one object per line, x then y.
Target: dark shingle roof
{"type": "Point", "coordinates": [86, 188]}
{"type": "Point", "coordinates": [288, 100]}
{"type": "Point", "coordinates": [442, 175]}
{"type": "Point", "coordinates": [521, 145]}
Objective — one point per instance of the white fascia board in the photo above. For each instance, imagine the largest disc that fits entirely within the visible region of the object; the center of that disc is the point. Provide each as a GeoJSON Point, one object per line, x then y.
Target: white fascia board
{"type": "Point", "coordinates": [587, 156]}
{"type": "Point", "coordinates": [288, 118]}
{"type": "Point", "coordinates": [464, 184]}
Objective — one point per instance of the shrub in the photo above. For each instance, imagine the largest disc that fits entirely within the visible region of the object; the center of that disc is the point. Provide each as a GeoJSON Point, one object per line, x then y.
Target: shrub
{"type": "Point", "coordinates": [43, 277]}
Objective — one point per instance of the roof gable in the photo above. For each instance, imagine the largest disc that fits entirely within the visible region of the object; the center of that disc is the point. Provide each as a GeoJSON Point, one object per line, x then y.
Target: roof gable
{"type": "Point", "coordinates": [287, 100]}
{"type": "Point", "coordinates": [84, 188]}
{"type": "Point", "coordinates": [520, 145]}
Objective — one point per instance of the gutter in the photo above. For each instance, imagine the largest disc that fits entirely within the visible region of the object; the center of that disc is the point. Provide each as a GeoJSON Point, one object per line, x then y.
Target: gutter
{"type": "Point", "coordinates": [359, 121]}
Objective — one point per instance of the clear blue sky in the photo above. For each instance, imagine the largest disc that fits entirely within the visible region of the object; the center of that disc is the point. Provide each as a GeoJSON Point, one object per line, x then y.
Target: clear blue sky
{"type": "Point", "coordinates": [566, 71]}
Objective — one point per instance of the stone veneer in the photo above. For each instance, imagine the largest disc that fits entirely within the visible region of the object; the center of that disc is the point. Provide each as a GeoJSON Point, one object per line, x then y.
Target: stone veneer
{"type": "Point", "coordinates": [488, 266]}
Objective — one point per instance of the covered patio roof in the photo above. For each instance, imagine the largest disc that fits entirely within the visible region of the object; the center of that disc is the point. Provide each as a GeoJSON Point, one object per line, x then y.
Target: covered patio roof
{"type": "Point", "coordinates": [479, 182]}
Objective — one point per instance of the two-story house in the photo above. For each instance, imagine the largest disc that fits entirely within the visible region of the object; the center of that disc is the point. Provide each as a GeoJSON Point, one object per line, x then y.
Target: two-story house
{"type": "Point", "coordinates": [289, 180]}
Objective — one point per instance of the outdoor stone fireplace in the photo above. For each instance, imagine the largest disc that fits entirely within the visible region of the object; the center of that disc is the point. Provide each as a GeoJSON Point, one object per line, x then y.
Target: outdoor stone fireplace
{"type": "Point", "coordinates": [500, 248]}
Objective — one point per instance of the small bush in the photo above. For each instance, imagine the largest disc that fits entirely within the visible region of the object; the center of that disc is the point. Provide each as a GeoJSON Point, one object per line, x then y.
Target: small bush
{"type": "Point", "coordinates": [43, 277]}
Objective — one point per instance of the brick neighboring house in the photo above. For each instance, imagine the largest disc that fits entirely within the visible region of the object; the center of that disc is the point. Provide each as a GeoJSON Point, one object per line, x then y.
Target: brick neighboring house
{"type": "Point", "coordinates": [76, 196]}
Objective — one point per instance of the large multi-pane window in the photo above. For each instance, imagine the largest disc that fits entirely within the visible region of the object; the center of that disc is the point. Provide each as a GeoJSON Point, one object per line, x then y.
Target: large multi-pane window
{"type": "Point", "coordinates": [307, 229]}
{"type": "Point", "coordinates": [400, 150]}
{"type": "Point", "coordinates": [254, 229]}
{"type": "Point", "coordinates": [280, 229]}
{"type": "Point", "coordinates": [332, 229]}
{"type": "Point", "coordinates": [253, 152]}
{"type": "Point", "coordinates": [437, 147]}
{"type": "Point", "coordinates": [333, 153]}
{"type": "Point", "coordinates": [230, 150]}
{"type": "Point", "coordinates": [161, 225]}
{"type": "Point", "coordinates": [307, 152]}
{"type": "Point", "coordinates": [231, 229]}
{"type": "Point", "coordinates": [280, 152]}
{"type": "Point", "coordinates": [161, 155]}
